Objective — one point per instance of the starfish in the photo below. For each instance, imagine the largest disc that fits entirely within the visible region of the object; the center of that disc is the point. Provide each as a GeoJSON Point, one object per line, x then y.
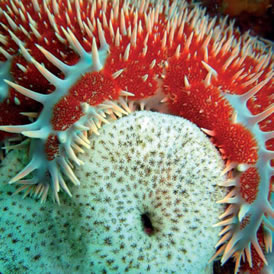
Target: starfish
{"type": "Point", "coordinates": [70, 66]}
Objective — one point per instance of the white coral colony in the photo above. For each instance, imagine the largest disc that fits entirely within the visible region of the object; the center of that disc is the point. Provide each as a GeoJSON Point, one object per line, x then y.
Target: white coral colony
{"type": "Point", "coordinates": [146, 205]}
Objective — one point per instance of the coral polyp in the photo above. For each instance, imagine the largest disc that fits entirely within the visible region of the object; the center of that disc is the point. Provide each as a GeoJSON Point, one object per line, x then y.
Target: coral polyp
{"type": "Point", "coordinates": [69, 67]}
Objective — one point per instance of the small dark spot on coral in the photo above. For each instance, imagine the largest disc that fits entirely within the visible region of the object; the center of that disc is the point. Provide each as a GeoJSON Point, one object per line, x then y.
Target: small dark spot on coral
{"type": "Point", "coordinates": [147, 224]}
{"type": "Point", "coordinates": [183, 250]}
{"type": "Point", "coordinates": [36, 257]}
{"type": "Point", "coordinates": [42, 230]}
{"type": "Point", "coordinates": [28, 222]}
{"type": "Point", "coordinates": [110, 262]}
{"type": "Point", "coordinates": [168, 256]}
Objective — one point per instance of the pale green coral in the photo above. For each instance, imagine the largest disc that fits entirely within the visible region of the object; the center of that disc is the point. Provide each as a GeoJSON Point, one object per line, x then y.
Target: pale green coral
{"type": "Point", "coordinates": [148, 164]}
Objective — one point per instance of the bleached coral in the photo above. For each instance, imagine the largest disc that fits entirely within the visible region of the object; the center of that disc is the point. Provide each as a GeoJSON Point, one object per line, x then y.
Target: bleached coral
{"type": "Point", "coordinates": [146, 204]}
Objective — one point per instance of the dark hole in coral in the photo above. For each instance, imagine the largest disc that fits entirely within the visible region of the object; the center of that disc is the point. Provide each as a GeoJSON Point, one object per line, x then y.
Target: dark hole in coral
{"type": "Point", "coordinates": [148, 227]}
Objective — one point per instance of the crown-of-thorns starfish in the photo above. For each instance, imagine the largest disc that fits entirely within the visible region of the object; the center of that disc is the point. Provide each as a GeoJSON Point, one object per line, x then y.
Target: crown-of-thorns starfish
{"type": "Point", "coordinates": [70, 66]}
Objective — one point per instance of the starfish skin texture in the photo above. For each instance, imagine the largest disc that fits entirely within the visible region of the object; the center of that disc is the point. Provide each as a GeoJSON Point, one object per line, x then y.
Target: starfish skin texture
{"type": "Point", "coordinates": [67, 67]}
